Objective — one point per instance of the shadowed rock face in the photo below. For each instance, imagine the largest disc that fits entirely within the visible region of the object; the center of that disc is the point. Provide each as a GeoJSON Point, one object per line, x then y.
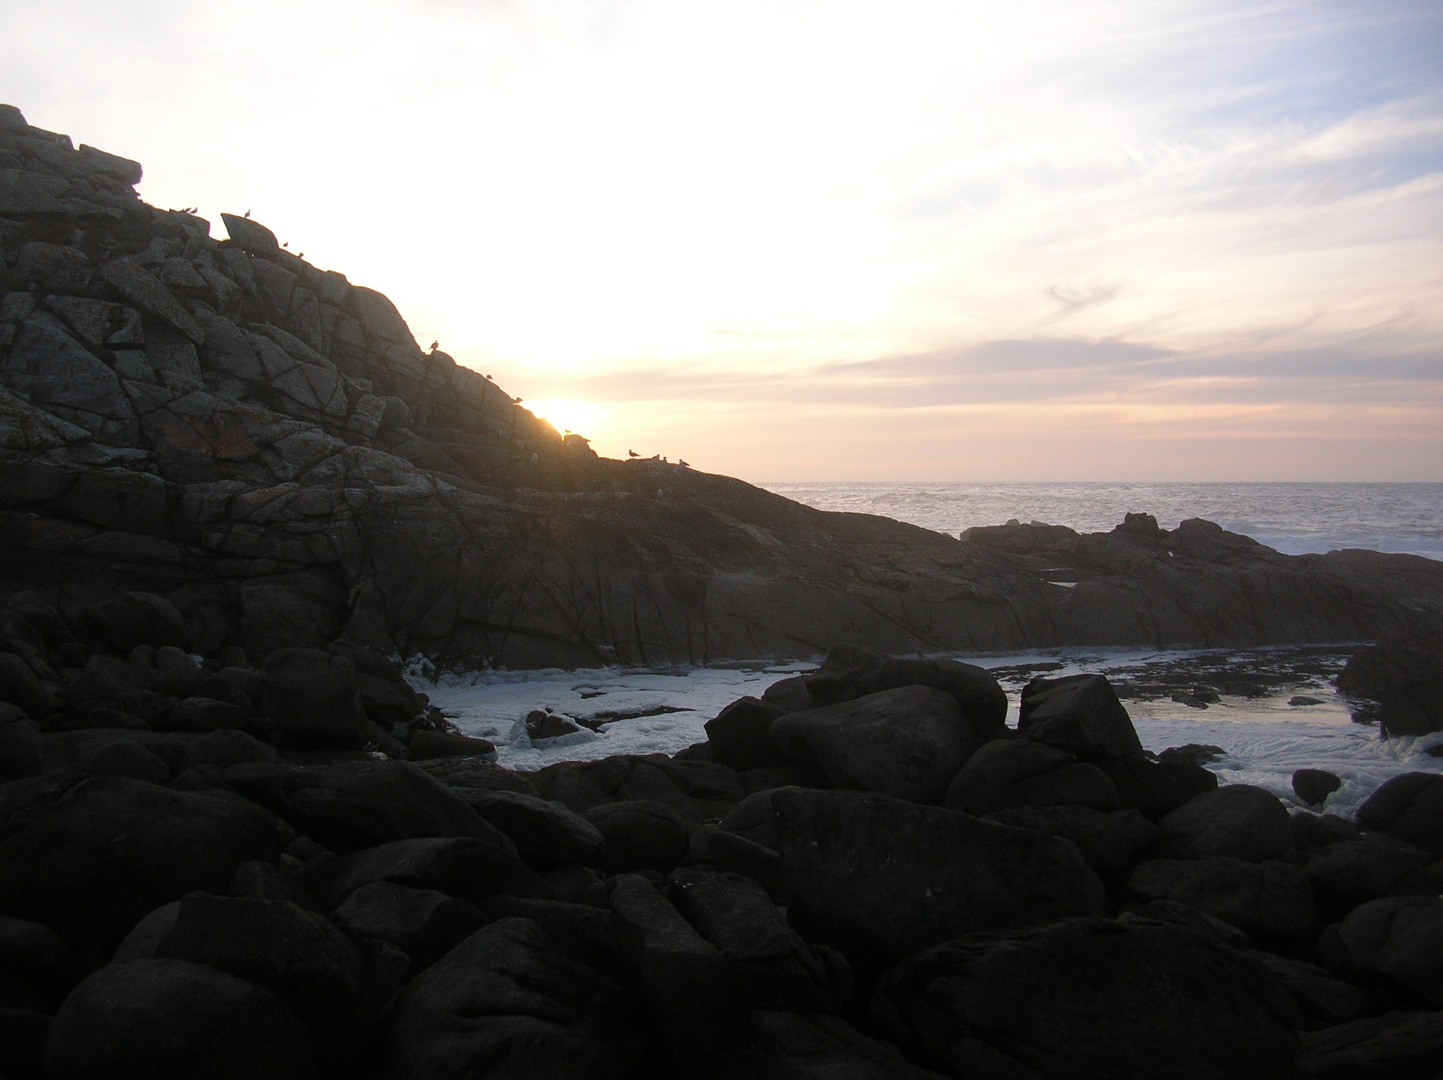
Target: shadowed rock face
{"type": "Point", "coordinates": [265, 445]}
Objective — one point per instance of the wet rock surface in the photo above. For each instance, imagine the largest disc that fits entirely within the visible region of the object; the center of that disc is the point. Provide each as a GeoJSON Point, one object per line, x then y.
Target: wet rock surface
{"type": "Point", "coordinates": [222, 902]}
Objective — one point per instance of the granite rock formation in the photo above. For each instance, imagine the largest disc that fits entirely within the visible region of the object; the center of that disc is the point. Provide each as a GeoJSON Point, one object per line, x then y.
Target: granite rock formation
{"type": "Point", "coordinates": [265, 445]}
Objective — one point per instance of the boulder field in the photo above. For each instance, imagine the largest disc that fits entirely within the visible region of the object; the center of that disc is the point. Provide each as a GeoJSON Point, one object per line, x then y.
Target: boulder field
{"type": "Point", "coordinates": [264, 444]}
{"type": "Point", "coordinates": [866, 875]}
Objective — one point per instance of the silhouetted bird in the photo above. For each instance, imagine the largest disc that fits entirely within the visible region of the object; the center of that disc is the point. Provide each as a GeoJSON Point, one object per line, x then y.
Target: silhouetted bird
{"type": "Point", "coordinates": [518, 401]}
{"type": "Point", "coordinates": [435, 344]}
{"type": "Point", "coordinates": [682, 463]}
{"type": "Point", "coordinates": [286, 244]}
{"type": "Point", "coordinates": [248, 213]}
{"type": "Point", "coordinates": [488, 376]}
{"type": "Point", "coordinates": [632, 453]}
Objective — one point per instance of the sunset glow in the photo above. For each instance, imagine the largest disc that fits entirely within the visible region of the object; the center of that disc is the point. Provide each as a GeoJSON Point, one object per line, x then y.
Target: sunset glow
{"type": "Point", "coordinates": [797, 239]}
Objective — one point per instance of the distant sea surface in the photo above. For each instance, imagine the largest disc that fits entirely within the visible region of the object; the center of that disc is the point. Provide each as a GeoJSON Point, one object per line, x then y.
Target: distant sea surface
{"type": "Point", "coordinates": [1293, 518]}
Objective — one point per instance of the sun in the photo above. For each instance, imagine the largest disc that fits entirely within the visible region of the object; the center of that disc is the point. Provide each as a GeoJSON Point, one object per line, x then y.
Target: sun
{"type": "Point", "coordinates": [568, 414]}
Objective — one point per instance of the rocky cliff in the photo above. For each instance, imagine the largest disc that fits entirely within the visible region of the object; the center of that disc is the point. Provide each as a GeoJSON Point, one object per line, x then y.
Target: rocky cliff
{"type": "Point", "coordinates": [266, 445]}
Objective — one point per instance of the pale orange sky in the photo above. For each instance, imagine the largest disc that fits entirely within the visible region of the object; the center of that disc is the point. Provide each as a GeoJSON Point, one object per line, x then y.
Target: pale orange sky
{"type": "Point", "coordinates": [838, 240]}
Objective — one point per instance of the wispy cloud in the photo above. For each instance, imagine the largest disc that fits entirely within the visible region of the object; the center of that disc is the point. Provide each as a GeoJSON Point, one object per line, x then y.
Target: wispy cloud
{"type": "Point", "coordinates": [765, 215]}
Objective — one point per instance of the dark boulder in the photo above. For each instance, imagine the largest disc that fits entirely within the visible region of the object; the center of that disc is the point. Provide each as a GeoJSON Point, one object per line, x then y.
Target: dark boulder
{"type": "Point", "coordinates": [1079, 714]}
{"type": "Point", "coordinates": [810, 1046]}
{"type": "Point", "coordinates": [1314, 832]}
{"type": "Point", "coordinates": [879, 878]}
{"type": "Point", "coordinates": [23, 1035]}
{"type": "Point", "coordinates": [175, 1020]}
{"type": "Point", "coordinates": [464, 867]}
{"type": "Point", "coordinates": [852, 671]}
{"type": "Point", "coordinates": [1158, 787]}
{"type": "Point", "coordinates": [360, 804]}
{"type": "Point", "coordinates": [1353, 872]}
{"type": "Point", "coordinates": [1405, 678]}
{"type": "Point", "coordinates": [1008, 773]}
{"type": "Point", "coordinates": [19, 750]}
{"type": "Point", "coordinates": [709, 956]}
{"type": "Point", "coordinates": [740, 735]}
{"type": "Point", "coordinates": [504, 1004]}
{"type": "Point", "coordinates": [790, 695]}
{"type": "Point", "coordinates": [639, 834]}
{"type": "Point", "coordinates": [1271, 901]}
{"type": "Point", "coordinates": [35, 953]}
{"type": "Point", "coordinates": [135, 618]}
{"type": "Point", "coordinates": [1321, 998]}
{"type": "Point", "coordinates": [1088, 998]}
{"type": "Point", "coordinates": [295, 953]}
{"type": "Point", "coordinates": [1111, 843]}
{"type": "Point", "coordinates": [907, 743]}
{"type": "Point", "coordinates": [1239, 821]}
{"type": "Point", "coordinates": [546, 834]}
{"type": "Point", "coordinates": [425, 924]}
{"type": "Point", "coordinates": [1398, 1046]}
{"type": "Point", "coordinates": [1409, 807]}
{"type": "Point", "coordinates": [202, 714]}
{"type": "Point", "coordinates": [222, 749]}
{"type": "Point", "coordinates": [311, 698]}
{"type": "Point", "coordinates": [1396, 941]}
{"type": "Point", "coordinates": [431, 745]}
{"type": "Point", "coordinates": [1171, 911]}
{"type": "Point", "coordinates": [90, 857]}
{"type": "Point", "coordinates": [1314, 786]}
{"type": "Point", "coordinates": [20, 686]}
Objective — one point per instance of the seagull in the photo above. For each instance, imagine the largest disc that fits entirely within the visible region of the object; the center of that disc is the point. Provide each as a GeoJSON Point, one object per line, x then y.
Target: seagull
{"type": "Point", "coordinates": [435, 344]}
{"type": "Point", "coordinates": [632, 453]}
{"type": "Point", "coordinates": [248, 213]}
{"type": "Point", "coordinates": [682, 463]}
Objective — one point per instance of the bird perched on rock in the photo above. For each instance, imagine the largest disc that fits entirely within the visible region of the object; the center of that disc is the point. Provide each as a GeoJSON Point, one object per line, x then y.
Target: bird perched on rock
{"type": "Point", "coordinates": [435, 344]}
{"type": "Point", "coordinates": [248, 213]}
{"type": "Point", "coordinates": [632, 453]}
{"type": "Point", "coordinates": [682, 463]}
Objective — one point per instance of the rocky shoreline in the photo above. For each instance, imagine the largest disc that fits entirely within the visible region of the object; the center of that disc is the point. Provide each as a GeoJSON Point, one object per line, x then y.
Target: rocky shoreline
{"type": "Point", "coordinates": [264, 444]}
{"type": "Point", "coordinates": [863, 873]}
{"type": "Point", "coordinates": [235, 842]}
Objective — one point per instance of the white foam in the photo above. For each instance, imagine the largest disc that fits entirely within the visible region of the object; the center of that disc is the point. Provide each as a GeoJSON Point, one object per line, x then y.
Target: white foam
{"type": "Point", "coordinates": [1265, 739]}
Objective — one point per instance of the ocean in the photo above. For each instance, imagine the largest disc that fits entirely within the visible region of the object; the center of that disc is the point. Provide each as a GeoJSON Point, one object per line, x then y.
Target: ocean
{"type": "Point", "coordinates": [1293, 518]}
{"type": "Point", "coordinates": [1261, 733]}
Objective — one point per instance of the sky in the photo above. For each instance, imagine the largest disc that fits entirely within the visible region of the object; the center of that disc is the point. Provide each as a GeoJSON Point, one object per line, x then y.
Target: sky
{"type": "Point", "coordinates": [842, 240]}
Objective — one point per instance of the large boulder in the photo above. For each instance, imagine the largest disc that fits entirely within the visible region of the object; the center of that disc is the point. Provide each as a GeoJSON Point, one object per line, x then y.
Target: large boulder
{"type": "Point", "coordinates": [1008, 773]}
{"type": "Point", "coordinates": [1079, 714]}
{"type": "Point", "coordinates": [1409, 807]}
{"type": "Point", "coordinates": [1110, 842]}
{"type": "Point", "coordinates": [1404, 677]}
{"type": "Point", "coordinates": [1270, 901]}
{"type": "Point", "coordinates": [361, 804]}
{"type": "Point", "coordinates": [740, 735]}
{"type": "Point", "coordinates": [907, 743]}
{"type": "Point", "coordinates": [423, 923]}
{"type": "Point", "coordinates": [546, 834]}
{"type": "Point", "coordinates": [465, 867]}
{"type": "Point", "coordinates": [639, 834]}
{"type": "Point", "coordinates": [1398, 1046]}
{"type": "Point", "coordinates": [1353, 872]}
{"type": "Point", "coordinates": [312, 699]}
{"type": "Point", "coordinates": [712, 952]}
{"type": "Point", "coordinates": [135, 618]}
{"type": "Point", "coordinates": [1158, 787]}
{"type": "Point", "coordinates": [90, 857]}
{"type": "Point", "coordinates": [880, 878]}
{"type": "Point", "coordinates": [295, 953]}
{"type": "Point", "coordinates": [1239, 821]}
{"type": "Point", "coordinates": [1396, 940]}
{"type": "Point", "coordinates": [505, 1004]}
{"type": "Point", "coordinates": [808, 1046]}
{"type": "Point", "coordinates": [1085, 999]}
{"type": "Point", "coordinates": [853, 671]}
{"type": "Point", "coordinates": [175, 1020]}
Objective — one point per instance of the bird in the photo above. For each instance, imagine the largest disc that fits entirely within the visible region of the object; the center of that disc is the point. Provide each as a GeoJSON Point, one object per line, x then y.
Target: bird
{"type": "Point", "coordinates": [286, 244]}
{"type": "Point", "coordinates": [488, 377]}
{"type": "Point", "coordinates": [248, 213]}
{"type": "Point", "coordinates": [682, 463]}
{"type": "Point", "coordinates": [518, 401]}
{"type": "Point", "coordinates": [435, 344]}
{"type": "Point", "coordinates": [632, 453]}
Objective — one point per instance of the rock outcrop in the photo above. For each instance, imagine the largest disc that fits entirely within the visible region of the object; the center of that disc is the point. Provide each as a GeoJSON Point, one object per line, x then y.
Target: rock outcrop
{"type": "Point", "coordinates": [263, 444]}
